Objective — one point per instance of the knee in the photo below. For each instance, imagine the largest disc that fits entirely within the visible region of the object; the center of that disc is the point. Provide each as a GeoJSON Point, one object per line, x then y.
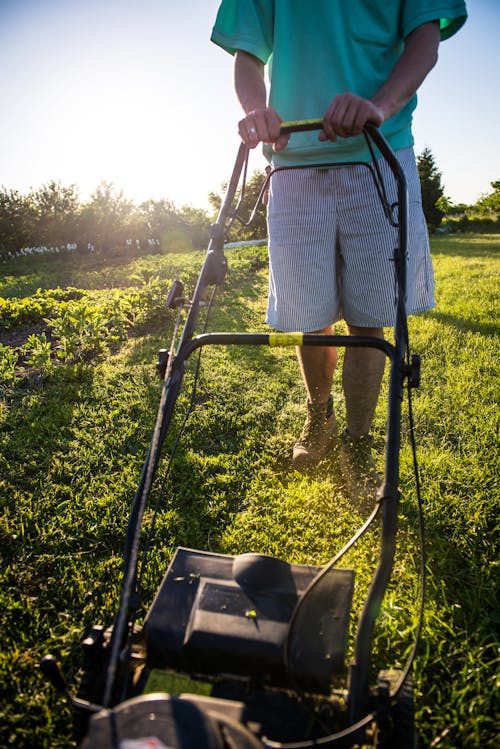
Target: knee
{"type": "Point", "coordinates": [371, 332]}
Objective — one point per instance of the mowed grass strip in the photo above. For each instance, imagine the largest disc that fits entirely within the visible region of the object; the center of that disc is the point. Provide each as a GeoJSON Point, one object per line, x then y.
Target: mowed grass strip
{"type": "Point", "coordinates": [72, 447]}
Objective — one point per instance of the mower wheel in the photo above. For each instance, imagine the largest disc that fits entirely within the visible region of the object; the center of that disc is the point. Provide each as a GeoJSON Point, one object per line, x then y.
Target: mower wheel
{"type": "Point", "coordinates": [396, 729]}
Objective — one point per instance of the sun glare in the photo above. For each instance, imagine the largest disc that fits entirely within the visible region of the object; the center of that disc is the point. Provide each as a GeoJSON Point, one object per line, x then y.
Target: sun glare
{"type": "Point", "coordinates": [124, 101]}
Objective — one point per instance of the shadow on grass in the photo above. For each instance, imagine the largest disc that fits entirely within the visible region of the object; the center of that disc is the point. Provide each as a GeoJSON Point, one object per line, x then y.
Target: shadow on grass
{"type": "Point", "coordinates": [485, 328]}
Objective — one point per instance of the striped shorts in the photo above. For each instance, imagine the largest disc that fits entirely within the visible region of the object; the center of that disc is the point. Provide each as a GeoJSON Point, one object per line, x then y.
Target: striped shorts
{"type": "Point", "coordinates": [331, 248]}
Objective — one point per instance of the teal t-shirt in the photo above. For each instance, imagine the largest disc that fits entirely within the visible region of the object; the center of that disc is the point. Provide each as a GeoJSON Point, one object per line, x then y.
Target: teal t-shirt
{"type": "Point", "coordinates": [316, 49]}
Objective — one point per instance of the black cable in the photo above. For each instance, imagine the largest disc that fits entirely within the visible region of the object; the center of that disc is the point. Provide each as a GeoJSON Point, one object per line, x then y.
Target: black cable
{"type": "Point", "coordinates": [380, 185]}
{"type": "Point", "coordinates": [305, 597]}
{"type": "Point", "coordinates": [374, 169]}
{"type": "Point", "coordinates": [388, 209]}
{"type": "Point", "coordinates": [389, 213]}
{"type": "Point", "coordinates": [368, 719]}
{"type": "Point", "coordinates": [324, 571]}
{"type": "Point", "coordinates": [423, 575]}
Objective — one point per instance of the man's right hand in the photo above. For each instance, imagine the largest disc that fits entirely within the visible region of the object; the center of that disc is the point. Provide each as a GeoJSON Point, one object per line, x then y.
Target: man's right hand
{"type": "Point", "coordinates": [262, 126]}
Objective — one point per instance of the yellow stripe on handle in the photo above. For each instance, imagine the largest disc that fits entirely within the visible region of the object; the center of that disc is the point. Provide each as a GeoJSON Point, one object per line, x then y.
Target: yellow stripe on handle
{"type": "Point", "coordinates": [286, 339]}
{"type": "Point", "coordinates": [297, 126]}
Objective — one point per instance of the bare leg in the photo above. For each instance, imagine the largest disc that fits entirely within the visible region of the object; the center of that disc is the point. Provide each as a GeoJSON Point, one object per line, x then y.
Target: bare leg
{"type": "Point", "coordinates": [317, 364]}
{"type": "Point", "coordinates": [361, 378]}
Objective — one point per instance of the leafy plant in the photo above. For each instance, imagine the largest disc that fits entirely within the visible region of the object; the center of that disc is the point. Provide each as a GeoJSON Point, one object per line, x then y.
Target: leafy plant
{"type": "Point", "coordinates": [150, 298]}
{"type": "Point", "coordinates": [81, 331]}
{"type": "Point", "coordinates": [38, 353]}
{"type": "Point", "coordinates": [8, 364]}
{"type": "Point", "coordinates": [31, 309]}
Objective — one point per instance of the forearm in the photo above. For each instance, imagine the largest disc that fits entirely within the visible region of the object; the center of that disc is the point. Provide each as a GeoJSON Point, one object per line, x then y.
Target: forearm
{"type": "Point", "coordinates": [261, 123]}
{"type": "Point", "coordinates": [348, 114]}
{"type": "Point", "coordinates": [249, 82]}
{"type": "Point", "coordinates": [419, 57]}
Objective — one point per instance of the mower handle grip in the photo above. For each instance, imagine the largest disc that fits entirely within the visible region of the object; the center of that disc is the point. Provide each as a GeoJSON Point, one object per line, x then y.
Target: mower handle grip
{"type": "Point", "coordinates": [300, 126]}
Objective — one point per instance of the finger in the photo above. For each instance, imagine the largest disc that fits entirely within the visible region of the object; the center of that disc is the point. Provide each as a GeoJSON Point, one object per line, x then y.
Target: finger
{"type": "Point", "coordinates": [360, 114]}
{"type": "Point", "coordinates": [334, 121]}
{"type": "Point", "coordinates": [248, 132]}
{"type": "Point", "coordinates": [349, 115]}
{"type": "Point", "coordinates": [333, 118]}
{"type": "Point", "coordinates": [262, 126]}
{"type": "Point", "coordinates": [328, 132]}
{"type": "Point", "coordinates": [273, 126]}
{"type": "Point", "coordinates": [281, 142]}
{"type": "Point", "coordinates": [353, 114]}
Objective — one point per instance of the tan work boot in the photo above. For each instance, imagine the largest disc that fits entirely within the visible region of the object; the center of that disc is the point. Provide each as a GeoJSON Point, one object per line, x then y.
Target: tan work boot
{"type": "Point", "coordinates": [318, 434]}
{"type": "Point", "coordinates": [358, 469]}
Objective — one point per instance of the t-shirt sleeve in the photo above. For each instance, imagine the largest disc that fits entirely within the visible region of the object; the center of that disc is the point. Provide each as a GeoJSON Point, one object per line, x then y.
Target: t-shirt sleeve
{"type": "Point", "coordinates": [245, 25]}
{"type": "Point", "coordinates": [451, 15]}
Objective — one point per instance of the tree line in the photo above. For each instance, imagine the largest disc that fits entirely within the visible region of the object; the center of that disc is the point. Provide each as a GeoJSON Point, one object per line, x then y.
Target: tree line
{"type": "Point", "coordinates": [54, 217]}
{"type": "Point", "coordinates": [439, 210]}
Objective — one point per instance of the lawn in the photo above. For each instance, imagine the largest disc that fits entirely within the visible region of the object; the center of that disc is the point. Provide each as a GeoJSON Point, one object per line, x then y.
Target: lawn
{"type": "Point", "coordinates": [75, 429]}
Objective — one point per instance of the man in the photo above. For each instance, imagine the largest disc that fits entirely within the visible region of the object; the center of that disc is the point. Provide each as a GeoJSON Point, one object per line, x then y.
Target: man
{"type": "Point", "coordinates": [330, 245]}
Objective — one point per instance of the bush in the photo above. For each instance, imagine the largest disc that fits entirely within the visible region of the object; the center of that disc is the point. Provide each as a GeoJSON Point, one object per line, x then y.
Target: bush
{"type": "Point", "coordinates": [474, 225]}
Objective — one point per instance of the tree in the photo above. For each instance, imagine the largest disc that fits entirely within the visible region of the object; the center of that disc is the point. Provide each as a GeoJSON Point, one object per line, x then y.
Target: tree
{"type": "Point", "coordinates": [457, 209]}
{"type": "Point", "coordinates": [196, 224]}
{"type": "Point", "coordinates": [161, 221]}
{"type": "Point", "coordinates": [105, 218]}
{"type": "Point", "coordinates": [432, 189]}
{"type": "Point", "coordinates": [17, 221]}
{"type": "Point", "coordinates": [489, 204]}
{"type": "Point", "coordinates": [57, 208]}
{"type": "Point", "coordinates": [258, 227]}
{"type": "Point", "coordinates": [176, 229]}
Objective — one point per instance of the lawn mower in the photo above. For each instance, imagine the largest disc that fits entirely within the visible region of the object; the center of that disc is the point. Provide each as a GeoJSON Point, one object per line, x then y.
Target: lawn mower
{"type": "Point", "coordinates": [248, 651]}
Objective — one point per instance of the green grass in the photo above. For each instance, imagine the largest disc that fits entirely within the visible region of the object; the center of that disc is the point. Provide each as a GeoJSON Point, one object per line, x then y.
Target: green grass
{"type": "Point", "coordinates": [72, 445]}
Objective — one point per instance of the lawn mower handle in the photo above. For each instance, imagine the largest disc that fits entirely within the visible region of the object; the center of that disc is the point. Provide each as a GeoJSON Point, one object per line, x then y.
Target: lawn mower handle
{"type": "Point", "coordinates": [212, 273]}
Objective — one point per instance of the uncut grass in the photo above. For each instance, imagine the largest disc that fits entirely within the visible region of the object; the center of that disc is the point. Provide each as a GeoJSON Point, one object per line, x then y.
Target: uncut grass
{"type": "Point", "coordinates": [72, 449]}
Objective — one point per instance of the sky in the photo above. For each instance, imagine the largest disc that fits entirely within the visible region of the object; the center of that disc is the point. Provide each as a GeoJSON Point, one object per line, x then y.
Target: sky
{"type": "Point", "coordinates": [134, 93]}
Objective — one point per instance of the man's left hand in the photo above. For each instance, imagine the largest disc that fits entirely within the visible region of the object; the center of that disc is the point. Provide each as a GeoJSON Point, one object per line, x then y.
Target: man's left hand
{"type": "Point", "coordinates": [347, 115]}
